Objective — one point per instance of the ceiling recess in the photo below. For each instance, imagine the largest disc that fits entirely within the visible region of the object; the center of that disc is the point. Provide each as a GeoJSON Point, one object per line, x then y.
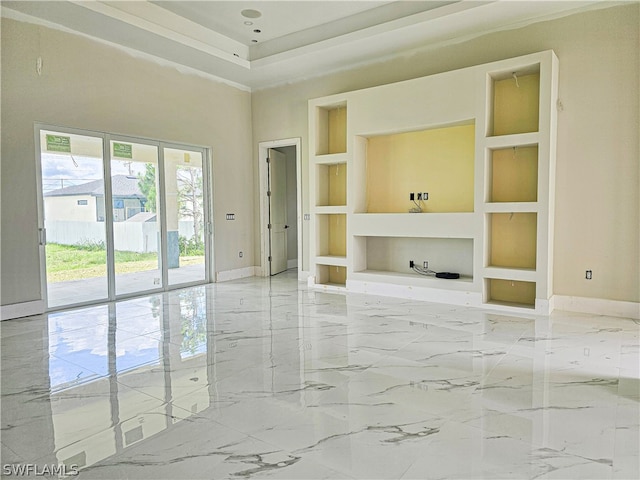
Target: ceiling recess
{"type": "Point", "coordinates": [250, 13]}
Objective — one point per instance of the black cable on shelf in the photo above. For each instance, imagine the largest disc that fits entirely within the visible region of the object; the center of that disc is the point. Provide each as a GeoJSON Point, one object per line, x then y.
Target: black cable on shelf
{"type": "Point", "coordinates": [432, 273]}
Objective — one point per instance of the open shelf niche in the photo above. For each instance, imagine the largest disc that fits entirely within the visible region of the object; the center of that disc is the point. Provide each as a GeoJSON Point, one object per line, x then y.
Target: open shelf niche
{"type": "Point", "coordinates": [331, 129]}
{"type": "Point", "coordinates": [516, 97]}
{"type": "Point", "coordinates": [513, 293]}
{"type": "Point", "coordinates": [480, 141]}
{"type": "Point", "coordinates": [387, 256]}
{"type": "Point", "coordinates": [331, 185]}
{"type": "Point", "coordinates": [513, 174]}
{"type": "Point", "coordinates": [438, 161]}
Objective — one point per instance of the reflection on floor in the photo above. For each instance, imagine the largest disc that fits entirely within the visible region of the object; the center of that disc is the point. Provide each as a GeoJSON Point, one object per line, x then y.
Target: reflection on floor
{"type": "Point", "coordinates": [262, 378]}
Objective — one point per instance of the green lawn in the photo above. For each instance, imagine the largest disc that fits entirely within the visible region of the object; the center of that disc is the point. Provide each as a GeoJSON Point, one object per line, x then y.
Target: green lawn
{"type": "Point", "coordinates": [70, 262]}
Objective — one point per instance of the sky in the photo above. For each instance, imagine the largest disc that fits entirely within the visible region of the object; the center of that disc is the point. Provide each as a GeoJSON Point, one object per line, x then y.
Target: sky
{"type": "Point", "coordinates": [62, 170]}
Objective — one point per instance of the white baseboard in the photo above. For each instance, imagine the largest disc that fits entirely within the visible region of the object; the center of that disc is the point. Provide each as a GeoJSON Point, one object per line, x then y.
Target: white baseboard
{"type": "Point", "coordinates": [235, 274]}
{"type": "Point", "coordinates": [597, 306]}
{"type": "Point", "coordinates": [426, 294]}
{"type": "Point", "coordinates": [17, 310]}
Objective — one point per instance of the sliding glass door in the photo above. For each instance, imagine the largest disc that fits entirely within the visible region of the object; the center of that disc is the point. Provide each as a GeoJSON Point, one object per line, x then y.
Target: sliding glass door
{"type": "Point", "coordinates": [136, 223]}
{"type": "Point", "coordinates": [73, 233]}
{"type": "Point", "coordinates": [136, 197]}
{"type": "Point", "coordinates": [184, 193]}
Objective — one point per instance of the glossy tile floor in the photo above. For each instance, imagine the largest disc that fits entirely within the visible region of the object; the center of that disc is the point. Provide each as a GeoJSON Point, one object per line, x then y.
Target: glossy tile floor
{"type": "Point", "coordinates": [262, 378]}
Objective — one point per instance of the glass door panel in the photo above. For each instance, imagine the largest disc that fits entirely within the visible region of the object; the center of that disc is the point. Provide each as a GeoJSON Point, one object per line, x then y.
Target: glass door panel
{"type": "Point", "coordinates": [72, 170]}
{"type": "Point", "coordinates": [184, 194]}
{"type": "Point", "coordinates": [135, 203]}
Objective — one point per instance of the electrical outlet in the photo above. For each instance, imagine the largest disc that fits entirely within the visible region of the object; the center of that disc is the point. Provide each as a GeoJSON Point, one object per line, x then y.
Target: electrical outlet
{"type": "Point", "coordinates": [307, 216]}
{"type": "Point", "coordinates": [425, 196]}
{"type": "Point", "coordinates": [240, 254]}
{"type": "Point", "coordinates": [589, 275]}
{"type": "Point", "coordinates": [412, 196]}
{"type": "Point", "coordinates": [419, 196]}
{"type": "Point", "coordinates": [425, 264]}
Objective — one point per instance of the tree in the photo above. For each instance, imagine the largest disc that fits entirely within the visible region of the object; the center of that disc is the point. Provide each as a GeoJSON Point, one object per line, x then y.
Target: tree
{"type": "Point", "coordinates": [147, 185]}
{"type": "Point", "coordinates": [190, 198]}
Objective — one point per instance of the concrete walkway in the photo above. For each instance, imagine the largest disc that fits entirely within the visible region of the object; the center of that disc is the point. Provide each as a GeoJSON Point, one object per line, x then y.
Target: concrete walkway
{"type": "Point", "coordinates": [90, 289]}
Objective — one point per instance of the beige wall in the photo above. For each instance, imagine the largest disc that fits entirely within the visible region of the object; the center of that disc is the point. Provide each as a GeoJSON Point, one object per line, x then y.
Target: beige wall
{"type": "Point", "coordinates": [597, 201]}
{"type": "Point", "coordinates": [67, 208]}
{"type": "Point", "coordinates": [88, 85]}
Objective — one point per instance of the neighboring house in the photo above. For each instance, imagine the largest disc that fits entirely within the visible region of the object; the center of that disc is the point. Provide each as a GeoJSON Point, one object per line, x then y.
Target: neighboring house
{"type": "Point", "coordinates": [85, 203]}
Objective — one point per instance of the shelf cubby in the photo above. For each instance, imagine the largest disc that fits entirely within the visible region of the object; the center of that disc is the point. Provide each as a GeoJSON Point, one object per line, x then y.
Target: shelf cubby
{"type": "Point", "coordinates": [438, 161]}
{"type": "Point", "coordinates": [331, 188]}
{"type": "Point", "coordinates": [515, 101]}
{"type": "Point", "coordinates": [513, 293]}
{"type": "Point", "coordinates": [332, 235]}
{"type": "Point", "coordinates": [513, 174]}
{"type": "Point", "coordinates": [331, 275]}
{"type": "Point", "coordinates": [331, 132]}
{"type": "Point", "coordinates": [392, 254]}
{"type": "Point", "coordinates": [513, 240]}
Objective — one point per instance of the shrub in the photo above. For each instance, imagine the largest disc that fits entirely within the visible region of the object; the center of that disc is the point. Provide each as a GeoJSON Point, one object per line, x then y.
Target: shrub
{"type": "Point", "coordinates": [191, 246]}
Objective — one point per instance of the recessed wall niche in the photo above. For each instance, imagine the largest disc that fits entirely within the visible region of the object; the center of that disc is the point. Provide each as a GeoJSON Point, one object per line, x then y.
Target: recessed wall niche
{"type": "Point", "coordinates": [514, 174]}
{"type": "Point", "coordinates": [331, 134]}
{"type": "Point", "coordinates": [437, 161]}
{"type": "Point", "coordinates": [331, 185]}
{"type": "Point", "coordinates": [516, 98]}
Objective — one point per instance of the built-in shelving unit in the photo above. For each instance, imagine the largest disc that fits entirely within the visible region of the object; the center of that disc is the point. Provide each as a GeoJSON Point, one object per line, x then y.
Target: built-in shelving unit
{"type": "Point", "coordinates": [476, 148]}
{"type": "Point", "coordinates": [329, 160]}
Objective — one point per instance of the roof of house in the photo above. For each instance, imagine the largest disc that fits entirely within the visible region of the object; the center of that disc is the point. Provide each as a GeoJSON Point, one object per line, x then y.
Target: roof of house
{"type": "Point", "coordinates": [143, 217]}
{"type": "Point", "coordinates": [121, 186]}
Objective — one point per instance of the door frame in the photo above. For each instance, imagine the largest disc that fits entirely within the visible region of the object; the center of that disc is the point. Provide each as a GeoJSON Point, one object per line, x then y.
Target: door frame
{"type": "Point", "coordinates": [263, 152]}
{"type": "Point", "coordinates": [106, 137]}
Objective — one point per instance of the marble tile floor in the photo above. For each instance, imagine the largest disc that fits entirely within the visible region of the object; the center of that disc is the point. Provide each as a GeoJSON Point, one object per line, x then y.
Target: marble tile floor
{"type": "Point", "coordinates": [263, 378]}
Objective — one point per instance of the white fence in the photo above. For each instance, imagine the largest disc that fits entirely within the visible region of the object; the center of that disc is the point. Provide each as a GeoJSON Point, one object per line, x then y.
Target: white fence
{"type": "Point", "coordinates": [141, 237]}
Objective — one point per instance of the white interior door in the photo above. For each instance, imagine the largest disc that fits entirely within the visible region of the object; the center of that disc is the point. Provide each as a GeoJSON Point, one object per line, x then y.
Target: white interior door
{"type": "Point", "coordinates": [277, 211]}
